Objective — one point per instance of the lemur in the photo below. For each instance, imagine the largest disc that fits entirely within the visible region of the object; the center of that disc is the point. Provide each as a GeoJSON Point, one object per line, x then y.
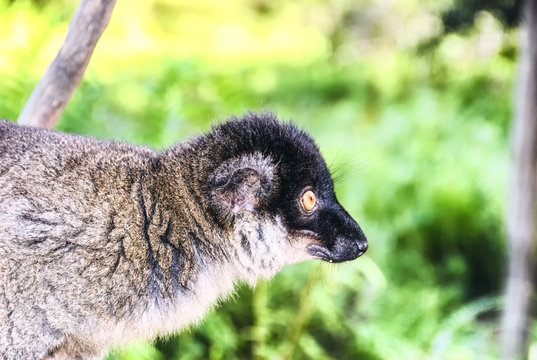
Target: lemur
{"type": "Point", "coordinates": [103, 243]}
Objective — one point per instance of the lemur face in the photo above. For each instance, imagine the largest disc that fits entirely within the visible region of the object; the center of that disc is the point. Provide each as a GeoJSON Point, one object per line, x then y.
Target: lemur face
{"type": "Point", "coordinates": [276, 172]}
{"type": "Point", "coordinates": [315, 216]}
{"type": "Point", "coordinates": [312, 213]}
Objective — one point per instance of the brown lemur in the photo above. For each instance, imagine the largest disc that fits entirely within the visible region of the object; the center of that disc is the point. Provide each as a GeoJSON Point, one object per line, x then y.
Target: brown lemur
{"type": "Point", "coordinates": [103, 243]}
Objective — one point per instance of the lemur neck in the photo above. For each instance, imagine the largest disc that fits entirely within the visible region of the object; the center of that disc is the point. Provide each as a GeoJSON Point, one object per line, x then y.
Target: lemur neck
{"type": "Point", "coordinates": [182, 238]}
{"type": "Point", "coordinates": [251, 247]}
{"type": "Point", "coordinates": [259, 246]}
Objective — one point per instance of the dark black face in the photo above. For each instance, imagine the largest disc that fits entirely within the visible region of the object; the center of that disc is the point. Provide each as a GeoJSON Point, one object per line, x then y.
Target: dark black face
{"type": "Point", "coordinates": [312, 210]}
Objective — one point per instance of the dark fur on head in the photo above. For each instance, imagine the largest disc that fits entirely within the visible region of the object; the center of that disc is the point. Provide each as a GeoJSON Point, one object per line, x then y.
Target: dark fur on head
{"type": "Point", "coordinates": [102, 243]}
{"type": "Point", "coordinates": [298, 165]}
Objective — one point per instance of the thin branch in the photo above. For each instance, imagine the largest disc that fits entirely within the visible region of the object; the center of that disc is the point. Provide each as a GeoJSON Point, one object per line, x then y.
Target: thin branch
{"type": "Point", "coordinates": [64, 74]}
{"type": "Point", "coordinates": [521, 223]}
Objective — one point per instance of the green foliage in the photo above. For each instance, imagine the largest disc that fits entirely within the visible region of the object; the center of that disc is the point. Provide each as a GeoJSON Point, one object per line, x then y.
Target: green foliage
{"type": "Point", "coordinates": [417, 140]}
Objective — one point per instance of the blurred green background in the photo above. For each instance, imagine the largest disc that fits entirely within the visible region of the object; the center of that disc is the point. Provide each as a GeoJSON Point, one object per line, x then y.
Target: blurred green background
{"type": "Point", "coordinates": [411, 104]}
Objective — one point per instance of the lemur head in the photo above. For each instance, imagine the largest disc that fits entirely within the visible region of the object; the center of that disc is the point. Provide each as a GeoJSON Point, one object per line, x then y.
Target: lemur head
{"type": "Point", "coordinates": [271, 189]}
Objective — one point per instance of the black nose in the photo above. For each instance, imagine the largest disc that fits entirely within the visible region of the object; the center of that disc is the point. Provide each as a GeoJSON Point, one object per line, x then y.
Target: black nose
{"type": "Point", "coordinates": [362, 247]}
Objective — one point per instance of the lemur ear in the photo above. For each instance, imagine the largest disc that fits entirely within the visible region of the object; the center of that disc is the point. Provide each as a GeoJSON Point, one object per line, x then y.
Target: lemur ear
{"type": "Point", "coordinates": [240, 185]}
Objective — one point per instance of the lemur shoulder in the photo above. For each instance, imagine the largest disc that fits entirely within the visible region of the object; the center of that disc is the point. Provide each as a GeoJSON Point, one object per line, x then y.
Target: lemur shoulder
{"type": "Point", "coordinates": [102, 243]}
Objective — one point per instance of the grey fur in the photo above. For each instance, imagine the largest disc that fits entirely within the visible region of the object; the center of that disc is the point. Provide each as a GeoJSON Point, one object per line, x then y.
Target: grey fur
{"type": "Point", "coordinates": [103, 243]}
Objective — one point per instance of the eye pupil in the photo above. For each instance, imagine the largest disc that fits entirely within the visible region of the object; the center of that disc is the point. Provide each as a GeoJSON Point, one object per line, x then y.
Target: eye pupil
{"type": "Point", "coordinates": [309, 200]}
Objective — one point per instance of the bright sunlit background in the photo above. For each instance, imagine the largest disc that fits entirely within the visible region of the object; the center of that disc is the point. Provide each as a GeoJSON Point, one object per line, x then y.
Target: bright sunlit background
{"type": "Point", "coordinates": [411, 104]}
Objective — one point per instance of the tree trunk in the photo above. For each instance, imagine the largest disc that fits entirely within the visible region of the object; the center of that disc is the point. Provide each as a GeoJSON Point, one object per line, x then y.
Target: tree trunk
{"type": "Point", "coordinates": [522, 199]}
{"type": "Point", "coordinates": [64, 74]}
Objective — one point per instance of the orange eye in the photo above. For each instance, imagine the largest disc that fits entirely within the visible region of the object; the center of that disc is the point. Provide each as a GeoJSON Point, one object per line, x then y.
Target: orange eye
{"type": "Point", "coordinates": [309, 200]}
